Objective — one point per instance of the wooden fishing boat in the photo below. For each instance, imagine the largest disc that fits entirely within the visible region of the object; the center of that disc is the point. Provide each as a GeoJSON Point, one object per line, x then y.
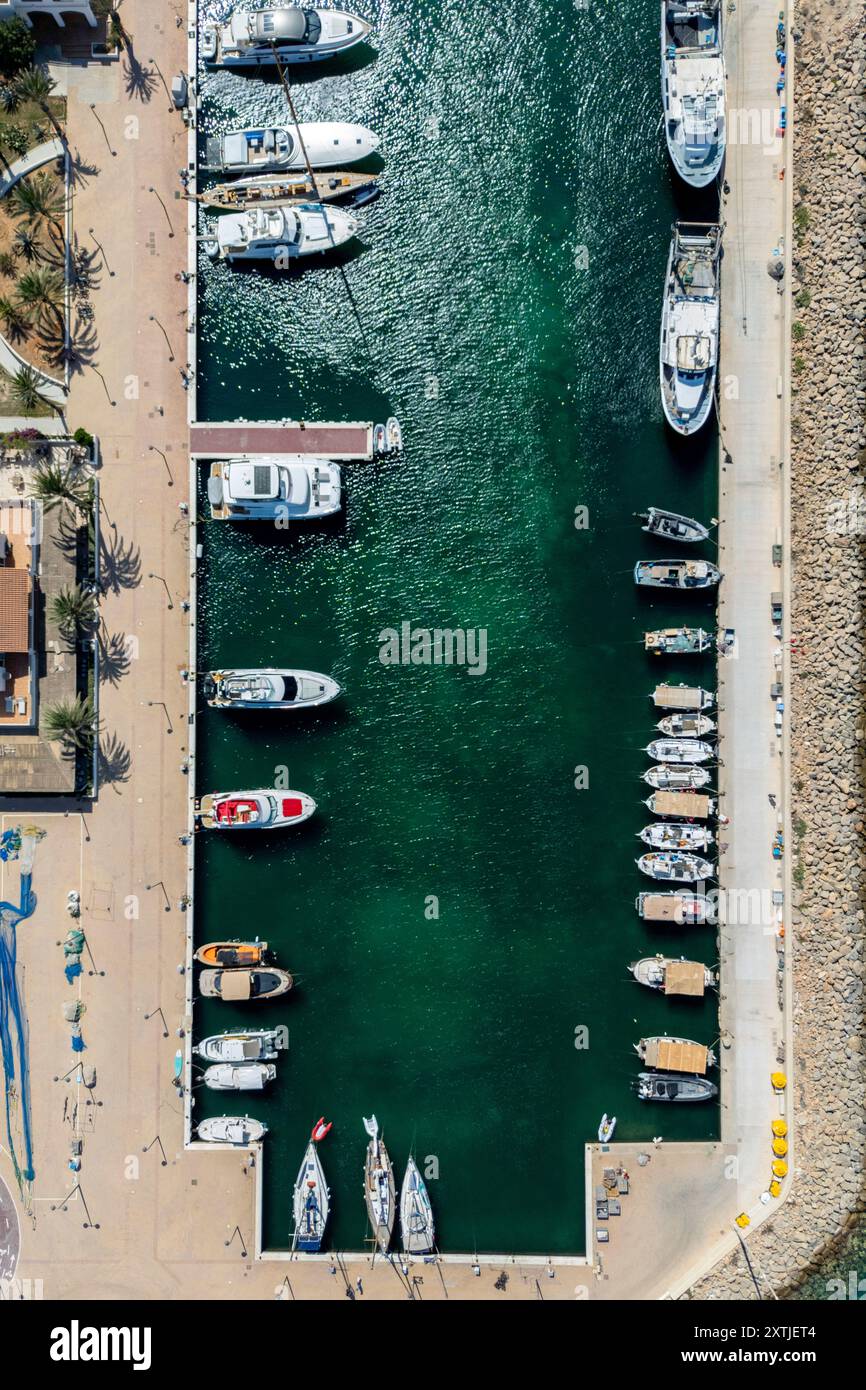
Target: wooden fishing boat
{"type": "Point", "coordinates": [233, 954]}
{"type": "Point", "coordinates": [676, 835]}
{"type": "Point", "coordinates": [669, 777]}
{"type": "Point", "coordinates": [686, 725]}
{"type": "Point", "coordinates": [676, 641]}
{"type": "Point", "coordinates": [682, 805]}
{"type": "Point", "coordinates": [239, 1130]}
{"type": "Point", "coordinates": [687, 978]}
{"type": "Point", "coordinates": [282, 190]}
{"type": "Point", "coordinates": [682, 697]}
{"type": "Point", "coordinates": [675, 909]}
{"type": "Point", "coordinates": [674, 867]}
{"type": "Point", "coordinates": [675, 1054]}
{"type": "Point", "coordinates": [676, 574]}
{"type": "Point", "coordinates": [680, 750]}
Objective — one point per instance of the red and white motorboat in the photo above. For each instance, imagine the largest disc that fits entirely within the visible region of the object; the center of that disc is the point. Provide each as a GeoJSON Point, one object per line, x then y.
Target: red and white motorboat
{"type": "Point", "coordinates": [263, 809]}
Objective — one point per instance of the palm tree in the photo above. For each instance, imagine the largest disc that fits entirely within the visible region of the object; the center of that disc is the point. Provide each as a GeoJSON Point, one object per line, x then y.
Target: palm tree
{"type": "Point", "coordinates": [71, 721]}
{"type": "Point", "coordinates": [26, 245]}
{"type": "Point", "coordinates": [38, 199]}
{"type": "Point", "coordinates": [74, 609]}
{"type": "Point", "coordinates": [51, 484]}
{"type": "Point", "coordinates": [7, 263]}
{"type": "Point", "coordinates": [25, 389]}
{"type": "Point", "coordinates": [43, 291]}
{"type": "Point", "coordinates": [14, 318]}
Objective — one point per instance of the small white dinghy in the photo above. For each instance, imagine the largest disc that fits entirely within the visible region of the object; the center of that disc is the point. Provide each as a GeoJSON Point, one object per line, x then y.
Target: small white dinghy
{"type": "Point", "coordinates": [680, 750]}
{"type": "Point", "coordinates": [239, 1130]}
{"type": "Point", "coordinates": [417, 1231]}
{"type": "Point", "coordinates": [249, 1076]}
{"type": "Point", "coordinates": [257, 687]}
{"type": "Point", "coordinates": [606, 1128]}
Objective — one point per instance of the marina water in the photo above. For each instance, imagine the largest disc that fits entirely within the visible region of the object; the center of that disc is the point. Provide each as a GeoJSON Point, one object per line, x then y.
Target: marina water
{"type": "Point", "coordinates": [458, 912]}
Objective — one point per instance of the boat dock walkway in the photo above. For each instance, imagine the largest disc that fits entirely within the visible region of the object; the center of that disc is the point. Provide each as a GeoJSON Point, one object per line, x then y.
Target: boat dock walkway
{"type": "Point", "coordinates": [341, 441]}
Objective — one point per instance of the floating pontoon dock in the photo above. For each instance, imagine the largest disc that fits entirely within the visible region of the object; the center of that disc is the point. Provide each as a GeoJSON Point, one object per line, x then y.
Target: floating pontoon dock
{"type": "Point", "coordinates": [329, 439]}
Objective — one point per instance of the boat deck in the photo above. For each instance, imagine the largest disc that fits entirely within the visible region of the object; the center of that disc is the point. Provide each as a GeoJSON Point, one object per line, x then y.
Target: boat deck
{"type": "Point", "coordinates": [340, 440]}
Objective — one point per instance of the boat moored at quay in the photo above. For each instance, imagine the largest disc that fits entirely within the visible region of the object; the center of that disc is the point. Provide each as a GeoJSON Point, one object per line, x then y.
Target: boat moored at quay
{"type": "Point", "coordinates": [693, 88]}
{"type": "Point", "coordinates": [379, 1187]}
{"type": "Point", "coordinates": [286, 190]}
{"type": "Point", "coordinates": [262, 809]}
{"type": "Point", "coordinates": [678, 726]}
{"type": "Point", "coordinates": [280, 235]}
{"type": "Point", "coordinates": [676, 574]}
{"type": "Point", "coordinates": [689, 341]}
{"type": "Point", "coordinates": [675, 909]}
{"type": "Point", "coordinates": [280, 34]}
{"type": "Point", "coordinates": [675, 867]}
{"type": "Point", "coordinates": [671, 526]}
{"type": "Point", "coordinates": [238, 1130]}
{"type": "Point", "coordinates": [687, 698]}
{"type": "Point", "coordinates": [676, 777]}
{"type": "Point", "coordinates": [267, 149]}
{"type": "Point", "coordinates": [280, 488]}
{"type": "Point", "coordinates": [268, 688]}
{"type": "Point", "coordinates": [677, 641]}
{"type": "Point", "coordinates": [671, 835]}
{"type": "Point", "coordinates": [675, 1054]}
{"type": "Point", "coordinates": [687, 978]}
{"type": "Point", "coordinates": [680, 750]}
{"type": "Point", "coordinates": [682, 805]}
{"type": "Point", "coordinates": [242, 1045]}
{"type": "Point", "coordinates": [675, 1089]}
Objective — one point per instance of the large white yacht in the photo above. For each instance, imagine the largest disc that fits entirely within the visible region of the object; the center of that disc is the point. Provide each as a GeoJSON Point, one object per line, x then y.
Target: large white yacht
{"type": "Point", "coordinates": [689, 346]}
{"type": "Point", "coordinates": [282, 33]}
{"type": "Point", "coordinates": [260, 149]}
{"type": "Point", "coordinates": [281, 235]}
{"type": "Point", "coordinates": [281, 488]}
{"type": "Point", "coordinates": [693, 88]}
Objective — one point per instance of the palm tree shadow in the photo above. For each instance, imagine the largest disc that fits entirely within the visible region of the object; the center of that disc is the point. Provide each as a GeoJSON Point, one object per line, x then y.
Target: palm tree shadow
{"type": "Point", "coordinates": [80, 170]}
{"type": "Point", "coordinates": [113, 655]}
{"type": "Point", "coordinates": [120, 563]}
{"type": "Point", "coordinates": [138, 80]}
{"type": "Point", "coordinates": [114, 760]}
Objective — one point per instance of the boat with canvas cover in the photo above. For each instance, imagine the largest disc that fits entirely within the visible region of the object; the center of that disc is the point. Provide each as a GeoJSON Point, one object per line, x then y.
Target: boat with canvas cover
{"type": "Point", "coordinates": [238, 1130]}
{"type": "Point", "coordinates": [682, 805]}
{"type": "Point", "coordinates": [284, 190]}
{"type": "Point", "coordinates": [240, 1045]}
{"type": "Point", "coordinates": [675, 1054]}
{"type": "Point", "coordinates": [686, 725]}
{"type": "Point", "coordinates": [689, 339]}
{"type": "Point", "coordinates": [263, 687]}
{"type": "Point", "coordinates": [689, 979]}
{"type": "Point", "coordinates": [671, 835]}
{"type": "Point", "coordinates": [263, 150]}
{"type": "Point", "coordinates": [676, 641]}
{"type": "Point", "coordinates": [233, 954]}
{"type": "Point", "coordinates": [379, 1188]}
{"type": "Point", "coordinates": [257, 810]}
{"type": "Point", "coordinates": [693, 88]}
{"type": "Point", "coordinates": [675, 909]}
{"type": "Point", "coordinates": [674, 867]}
{"type": "Point", "coordinates": [654, 1085]}
{"type": "Point", "coordinates": [417, 1231]}
{"type": "Point", "coordinates": [687, 698]}
{"type": "Point", "coordinates": [680, 750]}
{"type": "Point", "coordinates": [278, 488]}
{"type": "Point", "coordinates": [671, 526]}
{"type": "Point", "coordinates": [245, 1076]}
{"type": "Point", "coordinates": [283, 34]}
{"type": "Point", "coordinates": [676, 574]}
{"type": "Point", "coordinates": [281, 235]}
{"type": "Point", "coordinates": [240, 986]}
{"type": "Point", "coordinates": [668, 777]}
{"type": "Point", "coordinates": [311, 1202]}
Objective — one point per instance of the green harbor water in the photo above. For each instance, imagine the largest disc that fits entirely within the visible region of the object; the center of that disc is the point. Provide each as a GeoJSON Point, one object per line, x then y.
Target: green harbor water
{"type": "Point", "coordinates": [505, 305]}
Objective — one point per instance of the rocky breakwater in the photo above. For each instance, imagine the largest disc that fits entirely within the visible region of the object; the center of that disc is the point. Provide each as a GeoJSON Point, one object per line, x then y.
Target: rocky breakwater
{"type": "Point", "coordinates": [828, 717]}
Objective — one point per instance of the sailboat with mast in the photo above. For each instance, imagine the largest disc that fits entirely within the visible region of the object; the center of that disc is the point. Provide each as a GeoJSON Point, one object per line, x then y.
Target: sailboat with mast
{"type": "Point", "coordinates": [379, 1189]}
{"type": "Point", "coordinates": [311, 1201]}
{"type": "Point", "coordinates": [417, 1230]}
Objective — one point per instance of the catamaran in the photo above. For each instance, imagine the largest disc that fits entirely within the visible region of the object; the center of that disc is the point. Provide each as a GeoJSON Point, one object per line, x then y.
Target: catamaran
{"type": "Point", "coordinates": [688, 978]}
{"type": "Point", "coordinates": [379, 1188]}
{"type": "Point", "coordinates": [311, 1203]}
{"type": "Point", "coordinates": [676, 574]}
{"type": "Point", "coordinates": [653, 1085]}
{"type": "Point", "coordinates": [281, 33]}
{"type": "Point", "coordinates": [280, 235]}
{"type": "Point", "coordinates": [693, 88]}
{"type": "Point", "coordinates": [676, 641]}
{"type": "Point", "coordinates": [247, 1076]}
{"type": "Point", "coordinates": [671, 835]}
{"type": "Point", "coordinates": [686, 725]}
{"type": "Point", "coordinates": [671, 526]}
{"type": "Point", "coordinates": [680, 750]}
{"type": "Point", "coordinates": [240, 1045]}
{"type": "Point", "coordinates": [239, 1130]}
{"type": "Point", "coordinates": [256, 810]}
{"type": "Point", "coordinates": [278, 488]}
{"type": "Point", "coordinates": [668, 777]}
{"type": "Point", "coordinates": [268, 688]}
{"type": "Point", "coordinates": [670, 866]}
{"type": "Point", "coordinates": [417, 1230]}
{"type": "Point", "coordinates": [689, 341]}
{"type": "Point", "coordinates": [266, 149]}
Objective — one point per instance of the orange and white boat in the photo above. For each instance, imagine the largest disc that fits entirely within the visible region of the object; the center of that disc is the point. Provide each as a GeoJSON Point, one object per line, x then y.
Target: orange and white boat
{"type": "Point", "coordinates": [233, 954]}
{"type": "Point", "coordinates": [255, 810]}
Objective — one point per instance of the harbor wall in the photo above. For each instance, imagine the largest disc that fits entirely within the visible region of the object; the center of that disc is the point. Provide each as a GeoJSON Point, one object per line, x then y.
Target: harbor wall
{"type": "Point", "coordinates": [828, 725]}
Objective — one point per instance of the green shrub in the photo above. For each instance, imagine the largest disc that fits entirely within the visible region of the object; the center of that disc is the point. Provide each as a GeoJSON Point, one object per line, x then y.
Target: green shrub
{"type": "Point", "coordinates": [798, 332]}
{"type": "Point", "coordinates": [17, 46]}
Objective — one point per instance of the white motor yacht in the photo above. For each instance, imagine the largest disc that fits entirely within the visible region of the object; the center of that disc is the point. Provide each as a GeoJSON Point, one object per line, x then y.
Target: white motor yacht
{"type": "Point", "coordinates": [281, 488]}
{"type": "Point", "coordinates": [693, 88]}
{"type": "Point", "coordinates": [282, 33]}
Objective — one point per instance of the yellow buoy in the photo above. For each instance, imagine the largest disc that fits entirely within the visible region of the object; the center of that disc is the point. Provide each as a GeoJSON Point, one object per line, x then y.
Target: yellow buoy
{"type": "Point", "coordinates": [779, 1128]}
{"type": "Point", "coordinates": [778, 1080]}
{"type": "Point", "coordinates": [775, 1188]}
{"type": "Point", "coordinates": [743, 1219]}
{"type": "Point", "coordinates": [780, 1147]}
{"type": "Point", "coordinates": [780, 1167]}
